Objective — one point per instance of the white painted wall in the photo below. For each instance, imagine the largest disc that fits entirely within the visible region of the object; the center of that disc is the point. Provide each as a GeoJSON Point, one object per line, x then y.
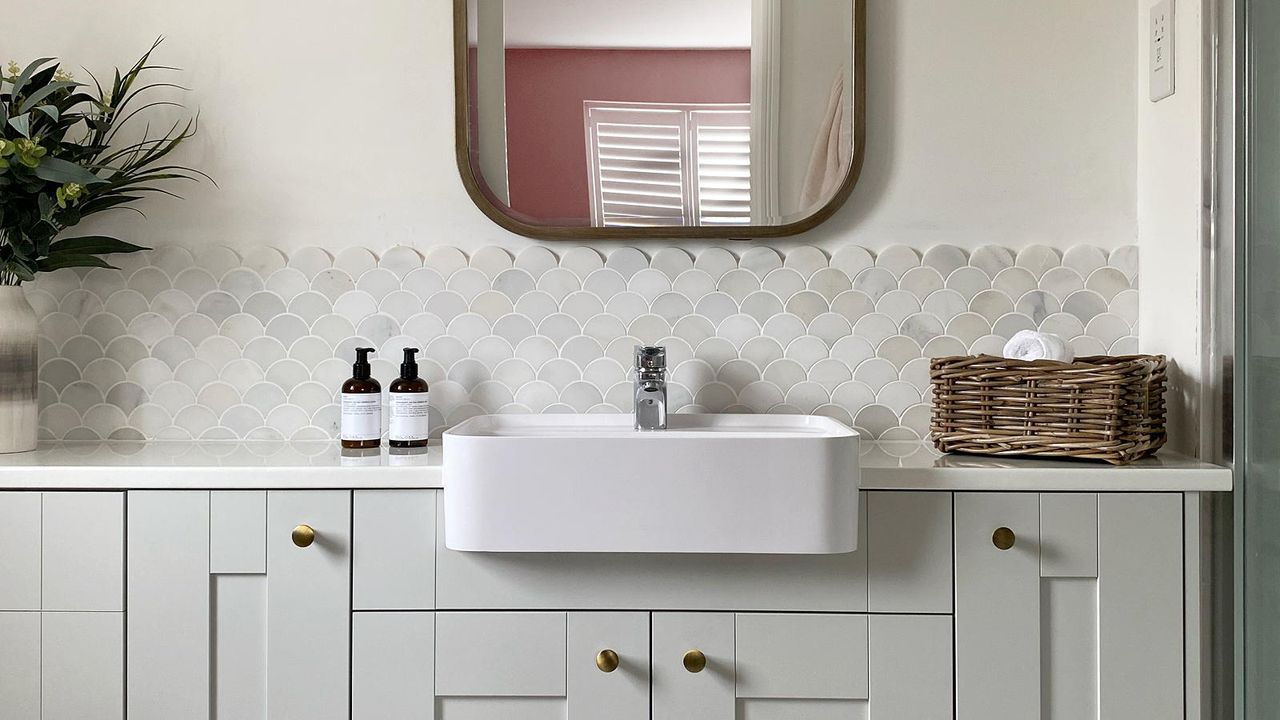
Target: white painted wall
{"type": "Point", "coordinates": [330, 123]}
{"type": "Point", "coordinates": [1174, 261]}
{"type": "Point", "coordinates": [627, 23]}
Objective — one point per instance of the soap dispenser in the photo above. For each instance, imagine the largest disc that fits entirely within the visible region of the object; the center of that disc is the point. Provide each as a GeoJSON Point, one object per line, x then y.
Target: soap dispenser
{"type": "Point", "coordinates": [361, 405]}
{"type": "Point", "coordinates": [410, 423]}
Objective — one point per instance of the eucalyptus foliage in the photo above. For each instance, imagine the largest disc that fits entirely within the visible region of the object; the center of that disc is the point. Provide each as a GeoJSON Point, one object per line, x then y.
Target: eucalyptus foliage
{"type": "Point", "coordinates": [62, 160]}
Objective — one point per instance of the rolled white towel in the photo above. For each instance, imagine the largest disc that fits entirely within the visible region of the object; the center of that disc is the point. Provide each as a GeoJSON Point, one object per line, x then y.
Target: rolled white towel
{"type": "Point", "coordinates": [1032, 345]}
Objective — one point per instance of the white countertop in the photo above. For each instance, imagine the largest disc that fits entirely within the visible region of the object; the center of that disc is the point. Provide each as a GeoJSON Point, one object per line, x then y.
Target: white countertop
{"type": "Point", "coordinates": [323, 464]}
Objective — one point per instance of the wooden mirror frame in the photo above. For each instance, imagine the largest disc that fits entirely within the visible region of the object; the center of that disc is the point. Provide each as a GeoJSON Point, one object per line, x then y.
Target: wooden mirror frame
{"type": "Point", "coordinates": [462, 120]}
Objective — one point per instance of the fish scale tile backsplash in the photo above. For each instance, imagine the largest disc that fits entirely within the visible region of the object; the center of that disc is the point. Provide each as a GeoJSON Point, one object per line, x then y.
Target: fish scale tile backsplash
{"type": "Point", "coordinates": [213, 344]}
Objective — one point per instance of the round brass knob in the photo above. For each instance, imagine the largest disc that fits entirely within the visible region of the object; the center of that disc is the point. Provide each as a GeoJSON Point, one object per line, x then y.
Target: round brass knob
{"type": "Point", "coordinates": [303, 536]}
{"type": "Point", "coordinates": [607, 660]}
{"type": "Point", "coordinates": [1003, 538]}
{"type": "Point", "coordinates": [695, 661]}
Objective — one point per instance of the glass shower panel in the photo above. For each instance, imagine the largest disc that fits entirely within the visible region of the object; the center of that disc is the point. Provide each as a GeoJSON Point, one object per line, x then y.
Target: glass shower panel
{"type": "Point", "coordinates": [1258, 500]}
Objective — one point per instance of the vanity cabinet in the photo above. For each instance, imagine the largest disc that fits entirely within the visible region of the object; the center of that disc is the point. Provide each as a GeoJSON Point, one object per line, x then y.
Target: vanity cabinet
{"type": "Point", "coordinates": [1069, 605]}
{"type": "Point", "coordinates": [333, 604]}
{"type": "Point", "coordinates": [61, 605]}
{"type": "Point", "coordinates": [239, 604]}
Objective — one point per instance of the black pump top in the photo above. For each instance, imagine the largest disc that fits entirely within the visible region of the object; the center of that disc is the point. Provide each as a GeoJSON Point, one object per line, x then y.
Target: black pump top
{"type": "Point", "coordinates": [361, 370]}
{"type": "Point", "coordinates": [409, 368]}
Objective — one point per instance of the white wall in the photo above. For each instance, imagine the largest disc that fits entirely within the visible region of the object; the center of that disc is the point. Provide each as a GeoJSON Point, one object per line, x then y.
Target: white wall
{"type": "Point", "coordinates": [331, 123]}
{"type": "Point", "coordinates": [1170, 219]}
{"type": "Point", "coordinates": [627, 23]}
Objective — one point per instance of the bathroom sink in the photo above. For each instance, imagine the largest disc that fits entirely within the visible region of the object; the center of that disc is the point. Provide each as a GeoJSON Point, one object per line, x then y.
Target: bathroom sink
{"type": "Point", "coordinates": [706, 484]}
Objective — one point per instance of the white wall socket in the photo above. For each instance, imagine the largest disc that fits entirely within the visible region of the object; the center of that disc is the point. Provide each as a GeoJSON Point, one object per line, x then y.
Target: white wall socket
{"type": "Point", "coordinates": [1161, 43]}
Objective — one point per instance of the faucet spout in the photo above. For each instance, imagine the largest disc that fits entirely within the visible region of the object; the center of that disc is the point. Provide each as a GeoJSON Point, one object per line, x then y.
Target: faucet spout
{"type": "Point", "coordinates": [651, 388]}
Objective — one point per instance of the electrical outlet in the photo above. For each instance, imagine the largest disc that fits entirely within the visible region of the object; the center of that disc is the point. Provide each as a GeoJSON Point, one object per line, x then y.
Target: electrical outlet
{"type": "Point", "coordinates": [1161, 39]}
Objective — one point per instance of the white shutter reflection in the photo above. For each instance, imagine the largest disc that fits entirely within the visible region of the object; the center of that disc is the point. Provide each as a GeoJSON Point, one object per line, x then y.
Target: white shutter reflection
{"type": "Point", "coordinates": [668, 165]}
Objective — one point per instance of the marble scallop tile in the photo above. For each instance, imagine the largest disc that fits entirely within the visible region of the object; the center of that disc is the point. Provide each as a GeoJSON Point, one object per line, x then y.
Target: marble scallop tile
{"type": "Point", "coordinates": [897, 259]}
{"type": "Point", "coordinates": [219, 344]}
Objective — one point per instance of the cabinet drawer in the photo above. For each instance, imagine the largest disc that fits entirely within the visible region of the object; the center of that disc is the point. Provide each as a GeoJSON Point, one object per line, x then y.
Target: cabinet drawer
{"type": "Point", "coordinates": [19, 551]}
{"type": "Point", "coordinates": [501, 654]}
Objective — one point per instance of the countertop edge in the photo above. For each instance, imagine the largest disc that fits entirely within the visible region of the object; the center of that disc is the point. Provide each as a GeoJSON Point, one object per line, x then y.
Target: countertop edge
{"type": "Point", "coordinates": [885, 467]}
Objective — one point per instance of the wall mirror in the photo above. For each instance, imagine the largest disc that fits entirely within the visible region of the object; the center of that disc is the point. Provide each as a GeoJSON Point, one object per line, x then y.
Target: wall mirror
{"type": "Point", "coordinates": [664, 118]}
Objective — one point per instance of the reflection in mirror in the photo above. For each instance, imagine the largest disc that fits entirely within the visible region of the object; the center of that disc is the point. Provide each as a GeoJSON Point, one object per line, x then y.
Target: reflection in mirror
{"type": "Point", "coordinates": [722, 115]}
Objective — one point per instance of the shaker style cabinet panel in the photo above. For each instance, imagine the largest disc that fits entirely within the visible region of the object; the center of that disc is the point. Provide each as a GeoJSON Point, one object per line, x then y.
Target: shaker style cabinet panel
{"type": "Point", "coordinates": [19, 551]}
{"type": "Point", "coordinates": [694, 666]}
{"type": "Point", "coordinates": [168, 591]}
{"type": "Point", "coordinates": [1069, 605]}
{"type": "Point", "coordinates": [908, 546]}
{"type": "Point", "coordinates": [82, 551]}
{"type": "Point", "coordinates": [997, 606]}
{"type": "Point", "coordinates": [910, 667]}
{"type": "Point", "coordinates": [239, 604]}
{"type": "Point", "coordinates": [608, 665]}
{"type": "Point", "coordinates": [82, 666]}
{"type": "Point", "coordinates": [308, 604]}
{"type": "Point", "coordinates": [393, 666]}
{"type": "Point", "coordinates": [394, 549]}
{"type": "Point", "coordinates": [20, 665]}
{"type": "Point", "coordinates": [61, 605]}
{"type": "Point", "coordinates": [1140, 621]}
{"type": "Point", "coordinates": [581, 666]}
{"type": "Point", "coordinates": [494, 666]}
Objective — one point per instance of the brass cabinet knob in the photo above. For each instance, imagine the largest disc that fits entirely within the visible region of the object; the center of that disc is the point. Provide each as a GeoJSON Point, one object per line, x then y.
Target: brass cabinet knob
{"type": "Point", "coordinates": [695, 661]}
{"type": "Point", "coordinates": [607, 660]}
{"type": "Point", "coordinates": [1003, 538]}
{"type": "Point", "coordinates": [303, 536]}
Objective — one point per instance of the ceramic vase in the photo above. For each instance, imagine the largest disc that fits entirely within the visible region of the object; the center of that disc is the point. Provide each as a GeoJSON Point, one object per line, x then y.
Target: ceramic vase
{"type": "Point", "coordinates": [19, 409]}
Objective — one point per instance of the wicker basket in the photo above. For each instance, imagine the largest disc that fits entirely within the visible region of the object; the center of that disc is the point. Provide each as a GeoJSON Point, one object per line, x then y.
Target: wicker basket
{"type": "Point", "coordinates": [1098, 407]}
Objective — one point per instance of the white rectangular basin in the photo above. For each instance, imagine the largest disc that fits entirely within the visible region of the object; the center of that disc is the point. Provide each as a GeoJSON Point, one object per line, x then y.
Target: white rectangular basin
{"type": "Point", "coordinates": [707, 484]}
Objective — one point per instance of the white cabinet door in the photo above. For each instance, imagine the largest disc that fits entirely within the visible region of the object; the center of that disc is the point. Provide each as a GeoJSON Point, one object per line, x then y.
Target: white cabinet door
{"type": "Point", "coordinates": [684, 687]}
{"type": "Point", "coordinates": [308, 605]}
{"type": "Point", "coordinates": [1068, 606]}
{"type": "Point", "coordinates": [608, 666]}
{"type": "Point", "coordinates": [228, 618]}
{"type": "Point", "coordinates": [997, 607]}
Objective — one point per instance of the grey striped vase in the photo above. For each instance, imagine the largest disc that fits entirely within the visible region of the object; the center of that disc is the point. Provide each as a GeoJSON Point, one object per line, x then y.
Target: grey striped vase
{"type": "Point", "coordinates": [19, 409]}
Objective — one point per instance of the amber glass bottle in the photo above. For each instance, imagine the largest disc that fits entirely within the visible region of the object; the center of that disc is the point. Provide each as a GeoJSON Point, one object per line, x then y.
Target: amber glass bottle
{"type": "Point", "coordinates": [410, 403]}
{"type": "Point", "coordinates": [361, 405]}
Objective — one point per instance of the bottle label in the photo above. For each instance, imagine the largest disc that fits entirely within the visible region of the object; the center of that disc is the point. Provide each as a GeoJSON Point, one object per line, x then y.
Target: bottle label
{"type": "Point", "coordinates": [409, 416]}
{"type": "Point", "coordinates": [361, 416]}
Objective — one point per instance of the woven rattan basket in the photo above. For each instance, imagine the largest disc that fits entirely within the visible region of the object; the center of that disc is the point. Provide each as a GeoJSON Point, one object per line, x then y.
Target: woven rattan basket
{"type": "Point", "coordinates": [1097, 408]}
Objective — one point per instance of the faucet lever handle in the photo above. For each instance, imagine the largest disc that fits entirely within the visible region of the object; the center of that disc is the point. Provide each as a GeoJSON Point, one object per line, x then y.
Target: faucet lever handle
{"type": "Point", "coordinates": [651, 357]}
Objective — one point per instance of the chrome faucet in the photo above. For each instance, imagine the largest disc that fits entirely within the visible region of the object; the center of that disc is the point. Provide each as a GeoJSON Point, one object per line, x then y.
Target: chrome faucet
{"type": "Point", "coordinates": [651, 388]}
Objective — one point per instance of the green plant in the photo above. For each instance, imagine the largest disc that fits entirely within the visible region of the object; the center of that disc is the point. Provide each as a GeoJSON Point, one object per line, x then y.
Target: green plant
{"type": "Point", "coordinates": [62, 160]}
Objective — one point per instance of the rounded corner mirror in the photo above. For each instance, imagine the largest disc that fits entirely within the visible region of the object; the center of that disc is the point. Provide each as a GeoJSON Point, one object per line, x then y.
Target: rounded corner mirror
{"type": "Point", "coordinates": [611, 119]}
